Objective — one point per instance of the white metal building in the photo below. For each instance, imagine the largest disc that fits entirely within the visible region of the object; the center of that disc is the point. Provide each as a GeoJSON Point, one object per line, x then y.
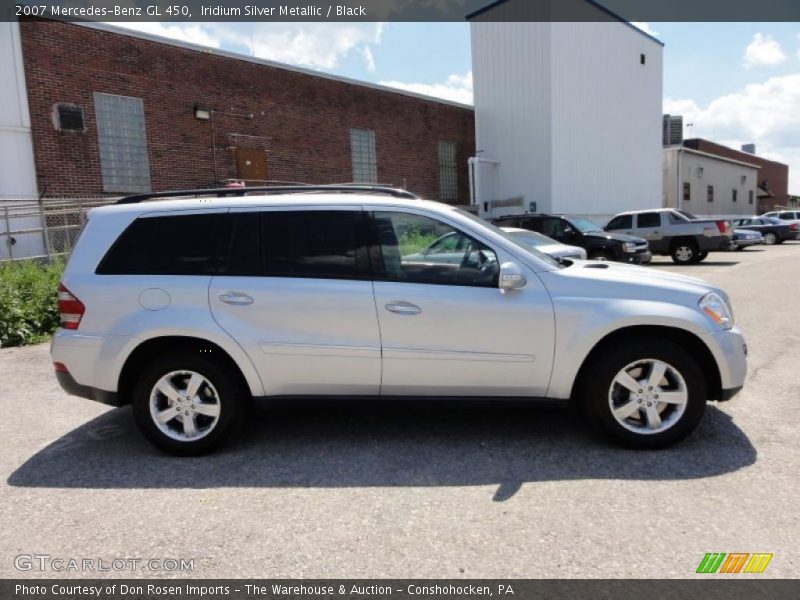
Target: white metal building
{"type": "Point", "coordinates": [17, 170]}
{"type": "Point", "coordinates": [709, 185]}
{"type": "Point", "coordinates": [568, 115]}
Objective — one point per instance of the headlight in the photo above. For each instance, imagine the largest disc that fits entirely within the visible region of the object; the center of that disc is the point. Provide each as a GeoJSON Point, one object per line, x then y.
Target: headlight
{"type": "Point", "coordinates": [629, 247]}
{"type": "Point", "coordinates": [716, 309]}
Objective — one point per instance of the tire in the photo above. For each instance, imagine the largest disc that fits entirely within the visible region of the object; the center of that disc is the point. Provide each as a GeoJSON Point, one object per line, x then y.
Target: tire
{"type": "Point", "coordinates": [216, 409]}
{"type": "Point", "coordinates": [601, 255]}
{"type": "Point", "coordinates": [684, 252]}
{"type": "Point", "coordinates": [701, 256]}
{"type": "Point", "coordinates": [770, 239]}
{"type": "Point", "coordinates": [739, 248]}
{"type": "Point", "coordinates": [683, 378]}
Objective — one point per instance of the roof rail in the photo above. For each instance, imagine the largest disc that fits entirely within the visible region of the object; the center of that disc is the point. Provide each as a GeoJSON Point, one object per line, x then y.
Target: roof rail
{"type": "Point", "coordinates": [275, 189]}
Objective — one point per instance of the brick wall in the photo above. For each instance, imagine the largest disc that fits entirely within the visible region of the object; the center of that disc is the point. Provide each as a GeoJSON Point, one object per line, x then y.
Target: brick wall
{"type": "Point", "coordinates": [302, 121]}
{"type": "Point", "coordinates": [772, 176]}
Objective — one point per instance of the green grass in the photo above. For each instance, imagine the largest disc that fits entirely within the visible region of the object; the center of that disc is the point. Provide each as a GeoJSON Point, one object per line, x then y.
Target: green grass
{"type": "Point", "coordinates": [413, 241]}
{"type": "Point", "coordinates": [28, 311]}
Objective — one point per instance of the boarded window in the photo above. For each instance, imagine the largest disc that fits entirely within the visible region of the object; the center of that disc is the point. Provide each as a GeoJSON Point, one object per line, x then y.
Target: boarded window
{"type": "Point", "coordinates": [448, 172]}
{"type": "Point", "coordinates": [710, 193]}
{"type": "Point", "coordinates": [687, 191]}
{"type": "Point", "coordinates": [365, 163]}
{"type": "Point", "coordinates": [749, 196]}
{"type": "Point", "coordinates": [122, 140]}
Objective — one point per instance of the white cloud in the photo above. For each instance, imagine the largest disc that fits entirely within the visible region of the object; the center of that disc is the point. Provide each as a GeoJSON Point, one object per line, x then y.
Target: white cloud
{"type": "Point", "coordinates": [766, 113]}
{"type": "Point", "coordinates": [312, 45]}
{"type": "Point", "coordinates": [763, 51]}
{"type": "Point", "coordinates": [195, 34]}
{"type": "Point", "coordinates": [645, 27]}
{"type": "Point", "coordinates": [457, 88]}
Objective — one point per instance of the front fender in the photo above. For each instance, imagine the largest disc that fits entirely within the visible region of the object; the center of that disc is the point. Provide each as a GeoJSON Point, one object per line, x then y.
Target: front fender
{"type": "Point", "coordinates": [581, 323]}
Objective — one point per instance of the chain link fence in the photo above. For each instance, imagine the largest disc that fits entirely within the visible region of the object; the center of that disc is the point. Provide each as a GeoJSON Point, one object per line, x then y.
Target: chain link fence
{"type": "Point", "coordinates": [43, 229]}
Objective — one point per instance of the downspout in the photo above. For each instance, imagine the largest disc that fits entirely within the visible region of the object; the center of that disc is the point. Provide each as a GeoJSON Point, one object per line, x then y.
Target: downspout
{"type": "Point", "coordinates": [474, 163]}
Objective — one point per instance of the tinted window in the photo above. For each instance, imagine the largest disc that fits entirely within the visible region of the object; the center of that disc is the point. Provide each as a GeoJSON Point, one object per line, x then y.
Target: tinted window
{"type": "Point", "coordinates": [169, 245]}
{"type": "Point", "coordinates": [405, 242]}
{"type": "Point", "coordinates": [318, 244]}
{"type": "Point", "coordinates": [786, 216]}
{"type": "Point", "coordinates": [621, 222]}
{"type": "Point", "coordinates": [552, 227]}
{"type": "Point", "coordinates": [648, 220]}
{"type": "Point", "coordinates": [244, 253]}
{"type": "Point", "coordinates": [507, 222]}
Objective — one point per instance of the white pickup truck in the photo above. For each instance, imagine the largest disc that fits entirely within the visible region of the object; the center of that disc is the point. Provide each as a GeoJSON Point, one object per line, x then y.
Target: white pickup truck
{"type": "Point", "coordinates": [675, 233]}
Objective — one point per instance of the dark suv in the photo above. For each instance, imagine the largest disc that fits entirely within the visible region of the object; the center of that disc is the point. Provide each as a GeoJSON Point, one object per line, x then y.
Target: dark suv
{"type": "Point", "coordinates": [577, 231]}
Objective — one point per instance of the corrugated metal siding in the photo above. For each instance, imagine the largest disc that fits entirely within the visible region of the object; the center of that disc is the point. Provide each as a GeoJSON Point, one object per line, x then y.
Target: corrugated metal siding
{"type": "Point", "coordinates": [570, 112]}
{"type": "Point", "coordinates": [17, 172]}
{"type": "Point", "coordinates": [511, 68]}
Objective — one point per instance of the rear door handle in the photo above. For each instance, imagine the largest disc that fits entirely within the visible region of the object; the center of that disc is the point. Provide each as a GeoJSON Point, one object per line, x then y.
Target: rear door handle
{"type": "Point", "coordinates": [236, 298]}
{"type": "Point", "coordinates": [403, 308]}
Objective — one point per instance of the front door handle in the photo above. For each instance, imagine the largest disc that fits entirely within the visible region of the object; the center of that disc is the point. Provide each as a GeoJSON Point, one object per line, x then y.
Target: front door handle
{"type": "Point", "coordinates": [403, 308]}
{"type": "Point", "coordinates": [236, 298]}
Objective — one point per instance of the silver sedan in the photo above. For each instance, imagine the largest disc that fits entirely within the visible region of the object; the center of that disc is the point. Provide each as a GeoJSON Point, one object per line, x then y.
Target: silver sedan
{"type": "Point", "coordinates": [531, 239]}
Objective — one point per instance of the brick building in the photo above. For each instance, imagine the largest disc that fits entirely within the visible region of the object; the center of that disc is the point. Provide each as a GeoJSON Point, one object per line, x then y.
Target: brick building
{"type": "Point", "coordinates": [115, 112]}
{"type": "Point", "coordinates": [773, 177]}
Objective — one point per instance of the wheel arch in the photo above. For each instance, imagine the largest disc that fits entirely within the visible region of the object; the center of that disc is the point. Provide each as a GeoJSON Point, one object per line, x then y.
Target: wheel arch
{"type": "Point", "coordinates": [158, 346]}
{"type": "Point", "coordinates": [683, 338]}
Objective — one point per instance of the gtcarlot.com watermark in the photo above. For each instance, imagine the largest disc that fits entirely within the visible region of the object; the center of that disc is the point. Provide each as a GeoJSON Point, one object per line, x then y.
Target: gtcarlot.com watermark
{"type": "Point", "coordinates": [58, 564]}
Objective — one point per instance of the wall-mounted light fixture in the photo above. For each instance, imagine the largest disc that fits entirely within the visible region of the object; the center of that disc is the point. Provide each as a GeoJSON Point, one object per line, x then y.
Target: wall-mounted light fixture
{"type": "Point", "coordinates": [202, 113]}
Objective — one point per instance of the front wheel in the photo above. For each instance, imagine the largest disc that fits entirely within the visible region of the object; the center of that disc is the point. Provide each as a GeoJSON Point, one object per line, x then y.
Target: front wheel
{"type": "Point", "coordinates": [649, 393]}
{"type": "Point", "coordinates": [188, 405]}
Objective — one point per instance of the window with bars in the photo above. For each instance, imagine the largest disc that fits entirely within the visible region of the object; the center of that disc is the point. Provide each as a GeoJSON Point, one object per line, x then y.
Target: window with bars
{"type": "Point", "coordinates": [365, 162]}
{"type": "Point", "coordinates": [448, 172]}
{"type": "Point", "coordinates": [122, 141]}
{"type": "Point", "coordinates": [687, 191]}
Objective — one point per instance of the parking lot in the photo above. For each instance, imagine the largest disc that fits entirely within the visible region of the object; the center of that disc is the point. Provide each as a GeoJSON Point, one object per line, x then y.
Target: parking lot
{"type": "Point", "coordinates": [420, 492]}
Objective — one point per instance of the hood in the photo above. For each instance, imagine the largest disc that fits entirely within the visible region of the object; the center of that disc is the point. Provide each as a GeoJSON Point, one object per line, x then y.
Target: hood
{"type": "Point", "coordinates": [619, 237]}
{"type": "Point", "coordinates": [615, 280]}
{"type": "Point", "coordinates": [561, 250]}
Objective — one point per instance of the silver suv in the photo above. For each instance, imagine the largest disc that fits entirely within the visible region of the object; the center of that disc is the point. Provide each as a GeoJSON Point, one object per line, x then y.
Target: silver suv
{"type": "Point", "coordinates": [191, 307]}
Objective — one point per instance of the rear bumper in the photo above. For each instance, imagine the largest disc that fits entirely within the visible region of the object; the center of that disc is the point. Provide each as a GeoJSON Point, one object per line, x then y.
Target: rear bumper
{"type": "Point", "coordinates": [72, 387]}
{"type": "Point", "coordinates": [729, 393]}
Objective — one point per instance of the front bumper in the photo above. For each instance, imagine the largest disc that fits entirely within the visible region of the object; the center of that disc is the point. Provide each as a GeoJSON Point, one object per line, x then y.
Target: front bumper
{"type": "Point", "coordinates": [730, 353]}
{"type": "Point", "coordinates": [640, 258]}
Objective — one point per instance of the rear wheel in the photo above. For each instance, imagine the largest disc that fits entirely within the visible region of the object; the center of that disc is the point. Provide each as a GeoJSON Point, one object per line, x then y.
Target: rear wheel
{"type": "Point", "coordinates": [684, 252]}
{"type": "Point", "coordinates": [770, 239]}
{"type": "Point", "coordinates": [649, 393]}
{"type": "Point", "coordinates": [187, 404]}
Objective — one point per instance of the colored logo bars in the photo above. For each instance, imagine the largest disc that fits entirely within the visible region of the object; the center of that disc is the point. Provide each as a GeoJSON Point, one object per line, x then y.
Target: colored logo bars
{"type": "Point", "coordinates": [735, 562]}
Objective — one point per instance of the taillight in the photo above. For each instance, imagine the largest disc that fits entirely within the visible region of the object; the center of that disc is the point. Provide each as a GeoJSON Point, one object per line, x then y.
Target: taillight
{"type": "Point", "coordinates": [793, 226]}
{"type": "Point", "coordinates": [70, 309]}
{"type": "Point", "coordinates": [724, 227]}
{"type": "Point", "coordinates": [60, 367]}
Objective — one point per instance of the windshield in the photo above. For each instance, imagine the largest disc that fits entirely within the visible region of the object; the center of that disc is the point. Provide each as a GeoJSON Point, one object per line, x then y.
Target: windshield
{"type": "Point", "coordinates": [529, 238]}
{"type": "Point", "coordinates": [540, 255]}
{"type": "Point", "coordinates": [585, 226]}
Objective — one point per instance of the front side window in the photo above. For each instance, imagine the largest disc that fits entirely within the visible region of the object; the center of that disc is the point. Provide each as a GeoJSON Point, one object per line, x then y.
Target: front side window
{"type": "Point", "coordinates": [169, 245]}
{"type": "Point", "coordinates": [418, 249]}
{"type": "Point", "coordinates": [620, 222]}
{"type": "Point", "coordinates": [649, 220]}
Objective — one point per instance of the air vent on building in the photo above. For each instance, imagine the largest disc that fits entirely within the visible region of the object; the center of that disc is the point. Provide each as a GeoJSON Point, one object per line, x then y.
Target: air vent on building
{"type": "Point", "coordinates": [69, 117]}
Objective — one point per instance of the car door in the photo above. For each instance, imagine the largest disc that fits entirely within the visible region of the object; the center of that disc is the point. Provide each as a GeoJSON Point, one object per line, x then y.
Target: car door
{"type": "Point", "coordinates": [447, 329]}
{"type": "Point", "coordinates": [648, 226]}
{"type": "Point", "coordinates": [297, 296]}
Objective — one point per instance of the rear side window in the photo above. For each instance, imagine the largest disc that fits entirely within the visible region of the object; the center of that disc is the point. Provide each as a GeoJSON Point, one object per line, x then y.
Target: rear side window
{"type": "Point", "coordinates": [649, 220]}
{"type": "Point", "coordinates": [621, 222]}
{"type": "Point", "coordinates": [314, 244]}
{"type": "Point", "coordinates": [169, 245]}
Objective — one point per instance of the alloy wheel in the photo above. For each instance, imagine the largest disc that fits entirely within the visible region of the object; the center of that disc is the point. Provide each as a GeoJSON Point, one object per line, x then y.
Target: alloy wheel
{"type": "Point", "coordinates": [184, 405]}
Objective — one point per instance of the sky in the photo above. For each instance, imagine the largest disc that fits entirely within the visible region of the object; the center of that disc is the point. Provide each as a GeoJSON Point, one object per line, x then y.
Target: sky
{"type": "Point", "coordinates": [733, 82]}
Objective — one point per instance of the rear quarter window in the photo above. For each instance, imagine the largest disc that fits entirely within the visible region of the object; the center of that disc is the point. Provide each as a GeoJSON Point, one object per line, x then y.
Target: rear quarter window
{"type": "Point", "coordinates": [169, 245]}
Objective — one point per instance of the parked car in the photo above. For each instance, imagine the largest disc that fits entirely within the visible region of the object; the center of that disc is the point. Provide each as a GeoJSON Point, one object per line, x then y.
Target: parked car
{"type": "Point", "coordinates": [452, 248]}
{"type": "Point", "coordinates": [531, 239]}
{"type": "Point", "coordinates": [743, 238]}
{"type": "Point", "coordinates": [790, 216]}
{"type": "Point", "coordinates": [774, 231]}
{"type": "Point", "coordinates": [189, 305]}
{"type": "Point", "coordinates": [576, 231]}
{"type": "Point", "coordinates": [674, 233]}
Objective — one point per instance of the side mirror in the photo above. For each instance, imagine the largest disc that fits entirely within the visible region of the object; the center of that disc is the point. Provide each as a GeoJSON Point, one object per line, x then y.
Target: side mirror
{"type": "Point", "coordinates": [511, 277]}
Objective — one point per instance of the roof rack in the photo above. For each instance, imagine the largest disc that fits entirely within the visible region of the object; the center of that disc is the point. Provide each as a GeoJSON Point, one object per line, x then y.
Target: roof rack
{"type": "Point", "coordinates": [353, 188]}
